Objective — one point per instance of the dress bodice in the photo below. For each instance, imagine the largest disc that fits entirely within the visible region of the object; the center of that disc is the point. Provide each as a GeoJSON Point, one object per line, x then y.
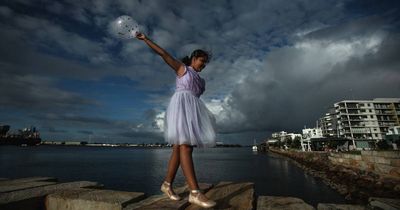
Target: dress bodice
{"type": "Point", "coordinates": [190, 81]}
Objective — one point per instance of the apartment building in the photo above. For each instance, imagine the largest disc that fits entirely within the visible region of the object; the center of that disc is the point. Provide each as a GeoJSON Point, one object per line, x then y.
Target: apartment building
{"type": "Point", "coordinates": [328, 124]}
{"type": "Point", "coordinates": [363, 121]}
{"type": "Point", "coordinates": [393, 135]}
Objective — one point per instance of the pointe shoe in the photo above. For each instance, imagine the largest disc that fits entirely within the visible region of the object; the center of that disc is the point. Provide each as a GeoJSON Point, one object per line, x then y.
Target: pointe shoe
{"type": "Point", "coordinates": [167, 190]}
{"type": "Point", "coordinates": [198, 198]}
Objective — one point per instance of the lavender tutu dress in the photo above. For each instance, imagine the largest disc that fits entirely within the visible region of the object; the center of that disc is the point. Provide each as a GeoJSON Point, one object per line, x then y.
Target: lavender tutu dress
{"type": "Point", "coordinates": [187, 119]}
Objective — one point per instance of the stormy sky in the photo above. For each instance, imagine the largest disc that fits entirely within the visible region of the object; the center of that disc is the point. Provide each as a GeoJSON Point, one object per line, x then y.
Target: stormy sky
{"type": "Point", "coordinates": [277, 65]}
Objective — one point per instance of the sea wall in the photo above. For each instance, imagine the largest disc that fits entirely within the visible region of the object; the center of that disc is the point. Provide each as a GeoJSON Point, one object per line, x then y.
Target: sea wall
{"type": "Point", "coordinates": [355, 176]}
{"type": "Point", "coordinates": [382, 163]}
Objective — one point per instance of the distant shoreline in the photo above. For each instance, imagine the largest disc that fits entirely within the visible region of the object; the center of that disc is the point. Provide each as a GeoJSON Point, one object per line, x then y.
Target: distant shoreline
{"type": "Point", "coordinates": [129, 145]}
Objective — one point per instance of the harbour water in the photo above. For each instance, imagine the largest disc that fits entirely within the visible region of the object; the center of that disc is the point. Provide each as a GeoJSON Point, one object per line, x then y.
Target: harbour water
{"type": "Point", "coordinates": [143, 169]}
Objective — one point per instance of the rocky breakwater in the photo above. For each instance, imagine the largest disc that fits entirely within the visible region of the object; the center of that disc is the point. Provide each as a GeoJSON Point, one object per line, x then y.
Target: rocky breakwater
{"type": "Point", "coordinates": [33, 193]}
{"type": "Point", "coordinates": [358, 177]}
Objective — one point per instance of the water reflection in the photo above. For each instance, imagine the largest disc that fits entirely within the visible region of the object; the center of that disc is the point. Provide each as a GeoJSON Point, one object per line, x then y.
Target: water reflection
{"type": "Point", "coordinates": [143, 170]}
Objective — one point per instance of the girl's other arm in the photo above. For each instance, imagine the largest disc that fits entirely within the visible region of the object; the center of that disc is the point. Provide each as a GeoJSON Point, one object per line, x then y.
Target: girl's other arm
{"type": "Point", "coordinates": [173, 63]}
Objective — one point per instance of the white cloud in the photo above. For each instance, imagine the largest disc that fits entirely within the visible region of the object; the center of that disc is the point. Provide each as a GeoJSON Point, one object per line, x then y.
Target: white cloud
{"type": "Point", "coordinates": [298, 83]}
{"type": "Point", "coordinates": [5, 11]}
{"type": "Point", "coordinates": [159, 119]}
{"type": "Point", "coordinates": [276, 65]}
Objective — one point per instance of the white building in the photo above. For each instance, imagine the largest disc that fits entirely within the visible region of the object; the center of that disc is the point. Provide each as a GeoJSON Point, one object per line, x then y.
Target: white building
{"type": "Point", "coordinates": [294, 135]}
{"type": "Point", "coordinates": [284, 135]}
{"type": "Point", "coordinates": [395, 130]}
{"type": "Point", "coordinates": [312, 133]}
{"type": "Point", "coordinates": [393, 136]}
{"type": "Point", "coordinates": [308, 134]}
{"type": "Point", "coordinates": [327, 124]}
{"type": "Point", "coordinates": [365, 121]}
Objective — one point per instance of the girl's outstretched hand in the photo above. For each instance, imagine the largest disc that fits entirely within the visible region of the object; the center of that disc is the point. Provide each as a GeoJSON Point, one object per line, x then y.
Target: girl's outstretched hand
{"type": "Point", "coordinates": [141, 36]}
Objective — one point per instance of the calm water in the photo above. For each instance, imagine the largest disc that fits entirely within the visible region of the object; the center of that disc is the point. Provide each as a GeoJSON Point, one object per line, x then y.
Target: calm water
{"type": "Point", "coordinates": [143, 170]}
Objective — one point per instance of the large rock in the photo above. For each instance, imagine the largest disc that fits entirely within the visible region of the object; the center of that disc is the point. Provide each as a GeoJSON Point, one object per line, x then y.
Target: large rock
{"type": "Point", "coordinates": [384, 203]}
{"type": "Point", "coordinates": [91, 199]}
{"type": "Point", "coordinates": [157, 202]}
{"type": "Point", "coordinates": [27, 179]}
{"type": "Point", "coordinates": [23, 185]}
{"type": "Point", "coordinates": [229, 195]}
{"type": "Point", "coordinates": [332, 206]}
{"type": "Point", "coordinates": [281, 203]}
{"type": "Point", "coordinates": [8, 185]}
{"type": "Point", "coordinates": [33, 198]}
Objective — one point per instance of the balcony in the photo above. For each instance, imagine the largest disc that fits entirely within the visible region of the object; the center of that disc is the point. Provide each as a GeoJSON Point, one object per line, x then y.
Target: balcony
{"type": "Point", "coordinates": [386, 124]}
{"type": "Point", "coordinates": [386, 120]}
{"type": "Point", "coordinates": [356, 119]}
{"type": "Point", "coordinates": [382, 106]}
{"type": "Point", "coordinates": [353, 107]}
{"type": "Point", "coordinates": [360, 125]}
{"type": "Point", "coordinates": [360, 131]}
{"type": "Point", "coordinates": [384, 112]}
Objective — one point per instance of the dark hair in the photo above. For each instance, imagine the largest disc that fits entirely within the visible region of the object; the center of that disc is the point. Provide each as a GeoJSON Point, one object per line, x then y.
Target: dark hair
{"type": "Point", "coordinates": [197, 53]}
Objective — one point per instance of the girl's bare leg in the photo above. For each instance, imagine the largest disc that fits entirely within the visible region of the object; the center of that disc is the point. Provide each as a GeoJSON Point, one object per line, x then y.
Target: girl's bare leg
{"type": "Point", "coordinates": [173, 164]}
{"type": "Point", "coordinates": [187, 165]}
{"type": "Point", "coordinates": [195, 195]}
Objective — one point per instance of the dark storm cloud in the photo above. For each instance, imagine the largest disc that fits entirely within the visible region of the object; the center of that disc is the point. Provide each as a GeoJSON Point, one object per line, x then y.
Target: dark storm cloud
{"type": "Point", "coordinates": [142, 134]}
{"type": "Point", "coordinates": [54, 130]}
{"type": "Point", "coordinates": [299, 83]}
{"type": "Point", "coordinates": [85, 132]}
{"type": "Point", "coordinates": [82, 120]}
{"type": "Point", "coordinates": [37, 93]}
{"type": "Point", "coordinates": [277, 65]}
{"type": "Point", "coordinates": [101, 126]}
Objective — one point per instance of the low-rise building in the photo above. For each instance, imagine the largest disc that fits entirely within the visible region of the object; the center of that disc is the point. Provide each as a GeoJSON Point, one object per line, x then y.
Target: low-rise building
{"type": "Point", "coordinates": [283, 135]}
{"type": "Point", "coordinates": [393, 136]}
{"type": "Point", "coordinates": [328, 124]}
{"type": "Point", "coordinates": [312, 133]}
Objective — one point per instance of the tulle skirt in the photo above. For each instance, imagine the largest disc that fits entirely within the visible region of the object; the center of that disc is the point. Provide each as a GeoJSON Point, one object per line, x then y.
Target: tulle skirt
{"type": "Point", "coordinates": [188, 121]}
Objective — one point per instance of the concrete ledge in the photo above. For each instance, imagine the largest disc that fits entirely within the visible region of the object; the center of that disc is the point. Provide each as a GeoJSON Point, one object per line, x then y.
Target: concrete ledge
{"type": "Point", "coordinates": [384, 203]}
{"type": "Point", "coordinates": [85, 195]}
{"type": "Point", "coordinates": [395, 162]}
{"type": "Point", "coordinates": [332, 206]}
{"type": "Point", "coordinates": [383, 168]}
{"type": "Point", "coordinates": [157, 202]}
{"type": "Point", "coordinates": [24, 185]}
{"type": "Point", "coordinates": [387, 154]}
{"type": "Point", "coordinates": [281, 203]}
{"type": "Point", "coordinates": [229, 195]}
{"type": "Point", "coordinates": [40, 192]}
{"type": "Point", "coordinates": [27, 179]}
{"type": "Point", "coordinates": [91, 199]}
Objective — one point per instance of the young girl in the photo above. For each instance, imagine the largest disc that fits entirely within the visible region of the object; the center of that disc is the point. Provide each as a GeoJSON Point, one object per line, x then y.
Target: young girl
{"type": "Point", "coordinates": [188, 122]}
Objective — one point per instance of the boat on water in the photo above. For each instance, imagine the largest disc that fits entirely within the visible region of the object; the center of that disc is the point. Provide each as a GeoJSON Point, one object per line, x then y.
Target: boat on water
{"type": "Point", "coordinates": [24, 137]}
{"type": "Point", "coordinates": [254, 147]}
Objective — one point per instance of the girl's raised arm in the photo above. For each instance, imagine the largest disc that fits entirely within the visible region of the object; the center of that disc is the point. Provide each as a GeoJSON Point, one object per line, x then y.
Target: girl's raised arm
{"type": "Point", "coordinates": [172, 62]}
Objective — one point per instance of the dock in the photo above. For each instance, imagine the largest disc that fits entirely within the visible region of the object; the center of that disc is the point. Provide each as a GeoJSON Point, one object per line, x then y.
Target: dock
{"type": "Point", "coordinates": [34, 193]}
